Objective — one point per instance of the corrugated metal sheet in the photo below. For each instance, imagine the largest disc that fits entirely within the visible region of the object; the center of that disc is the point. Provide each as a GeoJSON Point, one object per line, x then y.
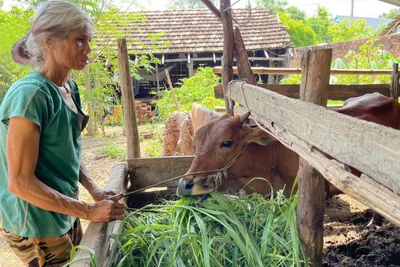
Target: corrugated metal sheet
{"type": "Point", "coordinates": [200, 31]}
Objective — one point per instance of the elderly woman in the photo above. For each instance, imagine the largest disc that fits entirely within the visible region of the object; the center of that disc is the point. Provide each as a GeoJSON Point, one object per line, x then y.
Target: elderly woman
{"type": "Point", "coordinates": [40, 143]}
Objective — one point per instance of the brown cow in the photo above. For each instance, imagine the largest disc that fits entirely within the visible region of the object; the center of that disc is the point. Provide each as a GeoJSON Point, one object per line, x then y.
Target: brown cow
{"type": "Point", "coordinates": [259, 154]}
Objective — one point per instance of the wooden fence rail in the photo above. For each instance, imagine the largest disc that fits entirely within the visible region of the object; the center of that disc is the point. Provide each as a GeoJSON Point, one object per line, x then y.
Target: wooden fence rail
{"type": "Point", "coordinates": [313, 131]}
{"type": "Point", "coordinates": [287, 71]}
{"type": "Point", "coordinates": [336, 91]}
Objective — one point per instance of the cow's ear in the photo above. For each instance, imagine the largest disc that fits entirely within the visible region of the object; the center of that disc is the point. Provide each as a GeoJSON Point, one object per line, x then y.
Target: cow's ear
{"type": "Point", "coordinates": [260, 137]}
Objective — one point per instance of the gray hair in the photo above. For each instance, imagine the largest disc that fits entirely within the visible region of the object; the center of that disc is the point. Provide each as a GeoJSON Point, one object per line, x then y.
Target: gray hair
{"type": "Point", "coordinates": [56, 19]}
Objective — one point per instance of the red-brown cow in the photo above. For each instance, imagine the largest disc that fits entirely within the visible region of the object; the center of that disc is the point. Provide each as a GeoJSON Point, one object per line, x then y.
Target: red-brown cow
{"type": "Point", "coordinates": [222, 139]}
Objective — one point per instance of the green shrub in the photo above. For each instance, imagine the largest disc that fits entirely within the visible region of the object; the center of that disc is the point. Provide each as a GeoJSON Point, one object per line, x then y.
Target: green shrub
{"type": "Point", "coordinates": [112, 150]}
{"type": "Point", "coordinates": [154, 147]}
{"type": "Point", "coordinates": [197, 89]}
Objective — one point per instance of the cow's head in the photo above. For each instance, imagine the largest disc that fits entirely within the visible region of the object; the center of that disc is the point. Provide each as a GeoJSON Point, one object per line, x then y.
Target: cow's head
{"type": "Point", "coordinates": [217, 144]}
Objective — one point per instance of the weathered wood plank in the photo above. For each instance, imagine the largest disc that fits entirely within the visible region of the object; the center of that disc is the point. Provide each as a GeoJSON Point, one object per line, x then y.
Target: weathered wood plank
{"type": "Point", "coordinates": [291, 71]}
{"type": "Point", "coordinates": [128, 101]}
{"type": "Point", "coordinates": [98, 235]}
{"type": "Point", "coordinates": [368, 147]}
{"type": "Point", "coordinates": [336, 91]}
{"type": "Point", "coordinates": [149, 171]}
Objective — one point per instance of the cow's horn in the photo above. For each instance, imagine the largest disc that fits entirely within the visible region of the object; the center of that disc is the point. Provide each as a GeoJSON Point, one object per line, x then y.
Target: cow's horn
{"type": "Point", "coordinates": [244, 117]}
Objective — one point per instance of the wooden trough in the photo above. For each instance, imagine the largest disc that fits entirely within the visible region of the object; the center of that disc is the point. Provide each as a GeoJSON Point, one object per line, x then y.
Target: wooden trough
{"type": "Point", "coordinates": [135, 173]}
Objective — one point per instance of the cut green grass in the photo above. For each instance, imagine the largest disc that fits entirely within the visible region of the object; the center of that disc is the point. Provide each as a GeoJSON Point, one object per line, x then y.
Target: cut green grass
{"type": "Point", "coordinates": [222, 231]}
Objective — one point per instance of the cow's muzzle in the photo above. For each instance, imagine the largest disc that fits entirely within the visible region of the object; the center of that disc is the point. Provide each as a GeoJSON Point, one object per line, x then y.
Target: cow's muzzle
{"type": "Point", "coordinates": [184, 187]}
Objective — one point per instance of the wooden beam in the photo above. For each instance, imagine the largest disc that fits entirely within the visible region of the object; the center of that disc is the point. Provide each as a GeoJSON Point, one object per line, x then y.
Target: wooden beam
{"type": "Point", "coordinates": [336, 91]}
{"type": "Point", "coordinates": [149, 171]}
{"type": "Point", "coordinates": [291, 71]}
{"type": "Point", "coordinates": [128, 101]}
{"type": "Point", "coordinates": [311, 185]}
{"type": "Point", "coordinates": [242, 61]}
{"type": "Point", "coordinates": [212, 8]}
{"type": "Point", "coordinates": [368, 147]}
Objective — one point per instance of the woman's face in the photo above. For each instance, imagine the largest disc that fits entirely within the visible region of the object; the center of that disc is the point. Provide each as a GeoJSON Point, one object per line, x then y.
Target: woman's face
{"type": "Point", "coordinates": [73, 51]}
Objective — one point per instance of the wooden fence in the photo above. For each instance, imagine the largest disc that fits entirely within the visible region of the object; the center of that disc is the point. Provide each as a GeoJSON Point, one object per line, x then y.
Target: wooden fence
{"type": "Point", "coordinates": [336, 91]}
{"type": "Point", "coordinates": [347, 139]}
{"type": "Point", "coordinates": [313, 131]}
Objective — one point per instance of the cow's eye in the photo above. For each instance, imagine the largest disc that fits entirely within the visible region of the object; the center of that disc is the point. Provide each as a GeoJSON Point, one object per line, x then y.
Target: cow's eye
{"type": "Point", "coordinates": [227, 144]}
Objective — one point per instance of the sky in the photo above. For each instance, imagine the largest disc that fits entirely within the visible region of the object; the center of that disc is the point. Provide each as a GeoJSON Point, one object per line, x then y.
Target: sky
{"type": "Point", "coordinates": [362, 8]}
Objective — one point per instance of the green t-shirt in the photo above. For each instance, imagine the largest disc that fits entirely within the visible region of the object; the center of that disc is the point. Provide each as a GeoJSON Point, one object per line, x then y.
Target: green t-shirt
{"type": "Point", "coordinates": [39, 100]}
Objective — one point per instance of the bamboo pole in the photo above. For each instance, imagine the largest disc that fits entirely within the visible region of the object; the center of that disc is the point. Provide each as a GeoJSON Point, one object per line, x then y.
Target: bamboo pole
{"type": "Point", "coordinates": [128, 101]}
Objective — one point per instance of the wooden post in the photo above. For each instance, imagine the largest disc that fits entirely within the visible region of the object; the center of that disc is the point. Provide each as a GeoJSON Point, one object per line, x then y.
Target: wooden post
{"type": "Point", "coordinates": [394, 86]}
{"type": "Point", "coordinates": [128, 101]}
{"type": "Point", "coordinates": [242, 60]}
{"type": "Point", "coordinates": [172, 89]}
{"type": "Point", "coordinates": [190, 68]}
{"type": "Point", "coordinates": [227, 64]}
{"type": "Point", "coordinates": [311, 186]}
{"type": "Point", "coordinates": [158, 82]}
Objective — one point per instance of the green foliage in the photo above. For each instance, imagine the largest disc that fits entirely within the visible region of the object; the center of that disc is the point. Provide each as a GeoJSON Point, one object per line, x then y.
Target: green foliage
{"type": "Point", "coordinates": [274, 5]}
{"type": "Point", "coordinates": [154, 147]}
{"type": "Point", "coordinates": [197, 89]}
{"type": "Point", "coordinates": [300, 33]}
{"type": "Point", "coordinates": [112, 150]}
{"type": "Point", "coordinates": [100, 83]}
{"type": "Point", "coordinates": [292, 79]}
{"type": "Point", "coordinates": [341, 32]}
{"type": "Point", "coordinates": [102, 95]}
{"type": "Point", "coordinates": [91, 7]}
{"type": "Point", "coordinates": [91, 257]}
{"type": "Point", "coordinates": [371, 56]}
{"type": "Point", "coordinates": [221, 231]}
{"type": "Point", "coordinates": [14, 25]}
{"type": "Point", "coordinates": [97, 86]}
{"type": "Point", "coordinates": [320, 24]}
{"type": "Point", "coordinates": [392, 14]}
{"type": "Point", "coordinates": [296, 13]}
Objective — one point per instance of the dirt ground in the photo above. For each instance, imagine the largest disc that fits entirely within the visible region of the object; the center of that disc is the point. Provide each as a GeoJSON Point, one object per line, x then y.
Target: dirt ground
{"type": "Point", "coordinates": [349, 238]}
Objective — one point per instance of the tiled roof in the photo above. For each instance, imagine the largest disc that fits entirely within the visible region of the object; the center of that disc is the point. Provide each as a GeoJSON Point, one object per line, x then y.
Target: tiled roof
{"type": "Point", "coordinates": [200, 31]}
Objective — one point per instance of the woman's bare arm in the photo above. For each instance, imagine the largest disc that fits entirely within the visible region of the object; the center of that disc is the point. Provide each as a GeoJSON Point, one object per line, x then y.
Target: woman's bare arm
{"type": "Point", "coordinates": [22, 155]}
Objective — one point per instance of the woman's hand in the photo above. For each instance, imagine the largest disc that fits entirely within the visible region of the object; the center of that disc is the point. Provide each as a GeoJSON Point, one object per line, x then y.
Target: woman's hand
{"type": "Point", "coordinates": [100, 194]}
{"type": "Point", "coordinates": [106, 211]}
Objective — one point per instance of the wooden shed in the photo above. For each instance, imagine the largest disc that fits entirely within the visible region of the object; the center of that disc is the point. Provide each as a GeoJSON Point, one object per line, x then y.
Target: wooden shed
{"type": "Point", "coordinates": [194, 38]}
